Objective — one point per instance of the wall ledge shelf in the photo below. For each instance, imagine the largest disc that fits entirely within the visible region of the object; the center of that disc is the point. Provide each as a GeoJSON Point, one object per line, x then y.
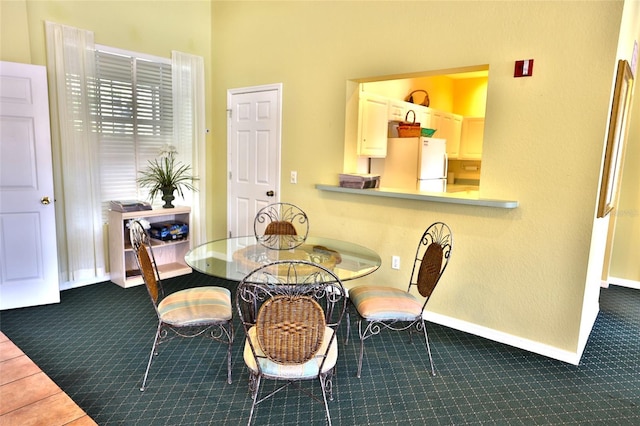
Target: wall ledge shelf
{"type": "Point", "coordinates": [470, 198]}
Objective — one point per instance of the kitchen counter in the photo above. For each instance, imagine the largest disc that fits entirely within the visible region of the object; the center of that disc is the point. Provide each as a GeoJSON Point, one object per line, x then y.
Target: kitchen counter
{"type": "Point", "coordinates": [459, 194]}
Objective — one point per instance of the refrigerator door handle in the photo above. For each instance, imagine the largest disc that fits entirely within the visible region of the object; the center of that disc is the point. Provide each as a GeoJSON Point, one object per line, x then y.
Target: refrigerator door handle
{"type": "Point", "coordinates": [446, 165]}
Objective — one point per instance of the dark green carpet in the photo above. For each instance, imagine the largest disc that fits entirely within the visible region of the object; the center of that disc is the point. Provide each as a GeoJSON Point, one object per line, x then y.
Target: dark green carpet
{"type": "Point", "coordinates": [95, 344]}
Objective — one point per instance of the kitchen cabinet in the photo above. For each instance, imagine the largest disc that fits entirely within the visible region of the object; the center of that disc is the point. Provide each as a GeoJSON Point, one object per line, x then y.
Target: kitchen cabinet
{"type": "Point", "coordinates": [456, 132]}
{"type": "Point", "coordinates": [472, 138]}
{"type": "Point", "coordinates": [397, 110]}
{"type": "Point", "coordinates": [375, 111]}
{"type": "Point", "coordinates": [449, 127]}
{"type": "Point", "coordinates": [169, 255]}
{"type": "Point", "coordinates": [372, 125]}
{"type": "Point", "coordinates": [423, 115]}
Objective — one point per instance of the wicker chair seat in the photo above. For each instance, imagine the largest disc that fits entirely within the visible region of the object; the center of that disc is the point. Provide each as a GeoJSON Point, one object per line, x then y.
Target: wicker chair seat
{"type": "Point", "coordinates": [308, 369]}
{"type": "Point", "coordinates": [196, 306]}
{"type": "Point", "coordinates": [385, 303]}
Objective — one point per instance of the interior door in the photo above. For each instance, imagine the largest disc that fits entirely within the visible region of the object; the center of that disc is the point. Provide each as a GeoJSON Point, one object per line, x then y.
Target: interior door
{"type": "Point", "coordinates": [253, 146]}
{"type": "Point", "coordinates": [28, 253]}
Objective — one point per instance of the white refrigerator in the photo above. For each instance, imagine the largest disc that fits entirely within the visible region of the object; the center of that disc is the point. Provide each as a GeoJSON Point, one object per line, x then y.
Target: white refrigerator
{"type": "Point", "coordinates": [414, 163]}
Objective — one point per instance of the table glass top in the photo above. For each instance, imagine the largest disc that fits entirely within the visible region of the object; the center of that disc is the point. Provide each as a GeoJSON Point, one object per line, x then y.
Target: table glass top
{"type": "Point", "coordinates": [234, 258]}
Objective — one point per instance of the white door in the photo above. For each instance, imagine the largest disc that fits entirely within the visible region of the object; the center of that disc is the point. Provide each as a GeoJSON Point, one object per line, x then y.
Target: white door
{"type": "Point", "coordinates": [28, 254]}
{"type": "Point", "coordinates": [253, 146]}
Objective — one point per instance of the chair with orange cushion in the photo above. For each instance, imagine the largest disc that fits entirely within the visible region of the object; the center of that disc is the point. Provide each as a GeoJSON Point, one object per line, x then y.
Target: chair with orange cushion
{"type": "Point", "coordinates": [281, 226]}
{"type": "Point", "coordinates": [391, 308]}
{"type": "Point", "coordinates": [199, 311]}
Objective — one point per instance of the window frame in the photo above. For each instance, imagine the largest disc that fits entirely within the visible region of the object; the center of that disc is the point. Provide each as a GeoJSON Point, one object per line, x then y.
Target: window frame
{"type": "Point", "coordinates": [132, 140]}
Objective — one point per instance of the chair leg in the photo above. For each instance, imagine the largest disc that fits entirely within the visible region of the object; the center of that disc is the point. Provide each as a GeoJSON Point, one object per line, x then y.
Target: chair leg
{"type": "Point", "coordinates": [153, 353]}
{"type": "Point", "coordinates": [229, 350]}
{"type": "Point", "coordinates": [426, 341]}
{"type": "Point", "coordinates": [324, 396]}
{"type": "Point", "coordinates": [254, 387]}
{"type": "Point", "coordinates": [346, 340]}
{"type": "Point", "coordinates": [360, 333]}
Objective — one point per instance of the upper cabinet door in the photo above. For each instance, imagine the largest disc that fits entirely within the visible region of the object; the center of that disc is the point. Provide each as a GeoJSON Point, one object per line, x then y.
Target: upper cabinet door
{"type": "Point", "coordinates": [472, 137]}
{"type": "Point", "coordinates": [448, 126]}
{"type": "Point", "coordinates": [423, 116]}
{"type": "Point", "coordinates": [372, 125]}
{"type": "Point", "coordinates": [397, 110]}
{"type": "Point", "coordinates": [455, 135]}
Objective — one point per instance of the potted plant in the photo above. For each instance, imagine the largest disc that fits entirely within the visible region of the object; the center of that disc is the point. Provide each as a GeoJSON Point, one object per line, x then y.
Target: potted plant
{"type": "Point", "coordinates": [166, 175]}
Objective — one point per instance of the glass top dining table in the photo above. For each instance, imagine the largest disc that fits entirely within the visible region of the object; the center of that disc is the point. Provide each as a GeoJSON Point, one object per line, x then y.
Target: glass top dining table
{"type": "Point", "coordinates": [234, 258]}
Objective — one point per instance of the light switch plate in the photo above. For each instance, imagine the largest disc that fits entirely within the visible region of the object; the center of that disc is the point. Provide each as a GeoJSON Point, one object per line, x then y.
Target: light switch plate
{"type": "Point", "coordinates": [395, 262]}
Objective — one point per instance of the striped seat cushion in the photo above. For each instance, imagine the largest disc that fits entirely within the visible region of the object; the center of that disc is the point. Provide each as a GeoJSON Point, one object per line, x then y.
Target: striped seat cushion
{"type": "Point", "coordinates": [385, 303]}
{"type": "Point", "coordinates": [196, 305]}
{"type": "Point", "coordinates": [307, 370]}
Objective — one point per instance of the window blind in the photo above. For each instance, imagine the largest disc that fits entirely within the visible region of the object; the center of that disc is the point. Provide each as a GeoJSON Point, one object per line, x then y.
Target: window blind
{"type": "Point", "coordinates": [133, 118]}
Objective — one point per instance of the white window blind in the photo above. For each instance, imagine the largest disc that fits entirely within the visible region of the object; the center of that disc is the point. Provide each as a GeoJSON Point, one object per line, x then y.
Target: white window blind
{"type": "Point", "coordinates": [133, 117]}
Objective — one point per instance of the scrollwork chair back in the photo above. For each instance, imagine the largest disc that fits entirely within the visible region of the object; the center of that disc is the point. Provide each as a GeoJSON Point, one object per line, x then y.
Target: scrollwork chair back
{"type": "Point", "coordinates": [281, 226]}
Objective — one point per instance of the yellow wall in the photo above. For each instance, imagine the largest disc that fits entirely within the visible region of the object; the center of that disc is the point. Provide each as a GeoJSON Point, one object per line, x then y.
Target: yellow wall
{"type": "Point", "coordinates": [470, 97]}
{"type": "Point", "coordinates": [14, 43]}
{"type": "Point", "coordinates": [520, 276]}
{"type": "Point", "coordinates": [624, 268]}
{"type": "Point", "coordinates": [519, 272]}
{"type": "Point", "coordinates": [154, 28]}
{"type": "Point", "coordinates": [131, 25]}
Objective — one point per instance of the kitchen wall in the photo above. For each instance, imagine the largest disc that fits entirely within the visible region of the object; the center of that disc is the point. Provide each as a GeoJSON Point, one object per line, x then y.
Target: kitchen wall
{"type": "Point", "coordinates": [470, 96]}
{"type": "Point", "coordinates": [466, 96]}
{"type": "Point", "coordinates": [528, 277]}
{"type": "Point", "coordinates": [465, 171]}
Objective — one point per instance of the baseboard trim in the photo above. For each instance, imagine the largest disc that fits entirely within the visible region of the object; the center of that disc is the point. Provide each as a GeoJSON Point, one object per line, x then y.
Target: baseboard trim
{"type": "Point", "coordinates": [507, 339]}
{"type": "Point", "coordinates": [68, 285]}
{"type": "Point", "coordinates": [624, 283]}
{"type": "Point", "coordinates": [584, 337]}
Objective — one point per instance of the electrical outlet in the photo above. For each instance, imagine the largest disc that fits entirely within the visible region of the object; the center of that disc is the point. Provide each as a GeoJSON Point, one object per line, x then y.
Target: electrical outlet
{"type": "Point", "coordinates": [294, 177]}
{"type": "Point", "coordinates": [395, 262]}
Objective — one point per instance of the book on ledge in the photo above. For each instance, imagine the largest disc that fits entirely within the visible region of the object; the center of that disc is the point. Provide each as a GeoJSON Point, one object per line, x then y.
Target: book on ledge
{"type": "Point", "coordinates": [129, 206]}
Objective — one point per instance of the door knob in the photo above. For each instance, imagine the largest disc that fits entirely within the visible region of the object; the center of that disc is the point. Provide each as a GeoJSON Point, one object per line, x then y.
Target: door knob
{"type": "Point", "coordinates": [270, 193]}
{"type": "Point", "coordinates": [45, 200]}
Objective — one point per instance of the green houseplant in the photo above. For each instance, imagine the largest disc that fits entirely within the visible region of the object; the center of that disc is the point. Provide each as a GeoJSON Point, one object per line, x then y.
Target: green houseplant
{"type": "Point", "coordinates": [166, 175]}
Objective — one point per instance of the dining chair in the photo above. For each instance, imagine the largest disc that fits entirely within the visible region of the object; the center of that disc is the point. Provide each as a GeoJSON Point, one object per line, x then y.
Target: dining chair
{"type": "Point", "coordinates": [281, 226]}
{"type": "Point", "coordinates": [391, 308]}
{"type": "Point", "coordinates": [290, 311]}
{"type": "Point", "coordinates": [199, 311]}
